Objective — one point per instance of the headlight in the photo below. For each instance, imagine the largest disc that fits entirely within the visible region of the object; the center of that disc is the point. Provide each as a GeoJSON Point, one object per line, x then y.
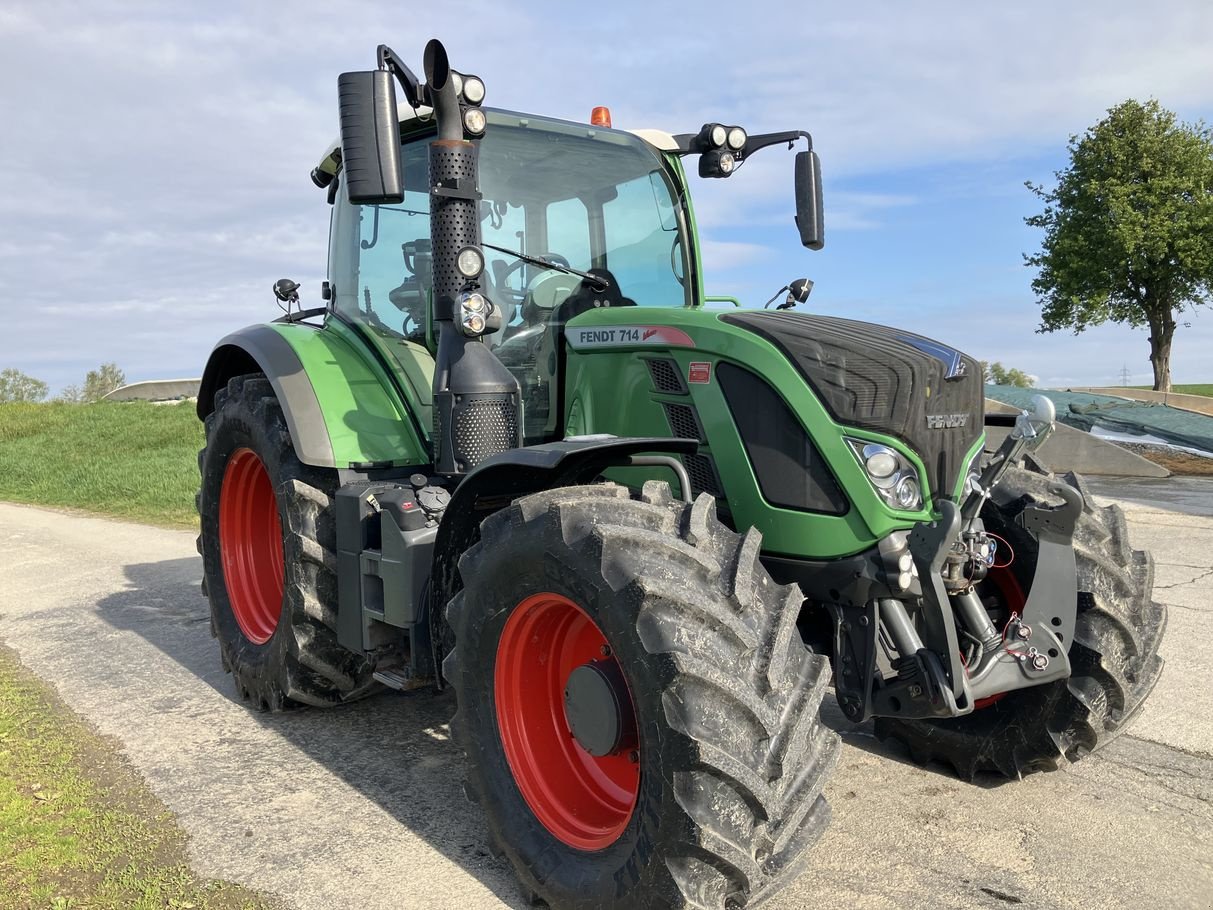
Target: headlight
{"type": "Point", "coordinates": [908, 494]}
{"type": "Point", "coordinates": [727, 163]}
{"type": "Point", "coordinates": [473, 89]}
{"type": "Point", "coordinates": [474, 120]}
{"type": "Point", "coordinates": [717, 135]}
{"type": "Point", "coordinates": [474, 310]}
{"type": "Point", "coordinates": [470, 262]}
{"type": "Point", "coordinates": [890, 473]}
{"type": "Point", "coordinates": [737, 138]}
{"type": "Point", "coordinates": [881, 465]}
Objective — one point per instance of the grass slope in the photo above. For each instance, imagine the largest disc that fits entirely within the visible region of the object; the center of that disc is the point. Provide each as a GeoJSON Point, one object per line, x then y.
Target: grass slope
{"type": "Point", "coordinates": [131, 460]}
{"type": "Point", "coordinates": [78, 827]}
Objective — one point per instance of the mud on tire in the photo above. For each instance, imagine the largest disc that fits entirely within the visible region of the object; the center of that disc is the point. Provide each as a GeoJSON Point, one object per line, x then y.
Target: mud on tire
{"type": "Point", "coordinates": [1114, 654]}
{"type": "Point", "coordinates": [732, 752]}
{"type": "Point", "coordinates": [301, 663]}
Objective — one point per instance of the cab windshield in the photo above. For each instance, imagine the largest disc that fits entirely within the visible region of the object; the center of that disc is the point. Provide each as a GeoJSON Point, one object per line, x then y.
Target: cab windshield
{"type": "Point", "coordinates": [579, 195]}
{"type": "Point", "coordinates": [573, 194]}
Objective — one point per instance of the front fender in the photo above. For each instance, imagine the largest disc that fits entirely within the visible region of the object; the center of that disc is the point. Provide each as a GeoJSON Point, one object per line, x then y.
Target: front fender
{"type": "Point", "coordinates": [498, 481]}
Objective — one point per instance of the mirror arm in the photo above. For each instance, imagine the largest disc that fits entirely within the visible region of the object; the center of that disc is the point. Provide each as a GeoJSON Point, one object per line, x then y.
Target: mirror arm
{"type": "Point", "coordinates": [390, 60]}
{"type": "Point", "coordinates": [685, 141]}
{"type": "Point", "coordinates": [762, 140]}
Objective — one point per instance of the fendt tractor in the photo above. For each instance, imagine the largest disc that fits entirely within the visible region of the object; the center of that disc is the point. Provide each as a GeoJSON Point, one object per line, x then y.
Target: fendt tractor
{"type": "Point", "coordinates": [517, 453]}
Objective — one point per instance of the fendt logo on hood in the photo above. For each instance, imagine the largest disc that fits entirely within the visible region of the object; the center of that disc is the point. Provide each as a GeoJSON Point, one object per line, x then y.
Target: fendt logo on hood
{"type": "Point", "coordinates": [946, 421]}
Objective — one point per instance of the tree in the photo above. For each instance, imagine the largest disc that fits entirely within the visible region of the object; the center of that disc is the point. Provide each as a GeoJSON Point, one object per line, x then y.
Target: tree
{"type": "Point", "coordinates": [17, 386]}
{"type": "Point", "coordinates": [101, 381]}
{"type": "Point", "coordinates": [1128, 228]}
{"type": "Point", "coordinates": [997, 374]}
{"type": "Point", "coordinates": [71, 394]}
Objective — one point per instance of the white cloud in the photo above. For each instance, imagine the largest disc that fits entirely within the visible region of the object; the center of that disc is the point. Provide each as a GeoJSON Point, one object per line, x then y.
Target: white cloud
{"type": "Point", "coordinates": [156, 155]}
{"type": "Point", "coordinates": [863, 211]}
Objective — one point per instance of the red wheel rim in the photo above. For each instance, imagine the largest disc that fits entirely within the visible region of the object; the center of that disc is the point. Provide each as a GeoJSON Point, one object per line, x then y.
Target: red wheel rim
{"type": "Point", "coordinates": [585, 801]}
{"type": "Point", "coordinates": [250, 545]}
{"type": "Point", "coordinates": [1013, 599]}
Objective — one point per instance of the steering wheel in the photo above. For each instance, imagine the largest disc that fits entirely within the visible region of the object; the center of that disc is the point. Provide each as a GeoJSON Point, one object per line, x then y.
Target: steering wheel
{"type": "Point", "coordinates": [502, 278]}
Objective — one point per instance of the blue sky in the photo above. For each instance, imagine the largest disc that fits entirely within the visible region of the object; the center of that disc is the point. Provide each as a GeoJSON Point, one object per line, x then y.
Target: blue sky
{"type": "Point", "coordinates": [156, 155]}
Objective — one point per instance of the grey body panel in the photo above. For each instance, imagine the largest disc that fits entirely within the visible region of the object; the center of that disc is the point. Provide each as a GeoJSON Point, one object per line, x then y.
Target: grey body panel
{"type": "Point", "coordinates": [262, 347]}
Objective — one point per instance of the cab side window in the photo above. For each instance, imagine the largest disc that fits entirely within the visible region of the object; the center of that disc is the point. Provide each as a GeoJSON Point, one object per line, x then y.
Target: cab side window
{"type": "Point", "coordinates": [383, 274]}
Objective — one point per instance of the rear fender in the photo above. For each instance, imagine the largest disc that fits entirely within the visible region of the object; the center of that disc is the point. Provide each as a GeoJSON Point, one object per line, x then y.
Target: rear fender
{"type": "Point", "coordinates": [340, 407]}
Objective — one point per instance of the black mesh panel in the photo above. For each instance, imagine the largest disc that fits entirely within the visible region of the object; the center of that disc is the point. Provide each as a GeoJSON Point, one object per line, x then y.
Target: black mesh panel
{"type": "Point", "coordinates": [666, 378]}
{"type": "Point", "coordinates": [702, 471]}
{"type": "Point", "coordinates": [683, 421]}
{"type": "Point", "coordinates": [790, 471]}
{"type": "Point", "coordinates": [486, 426]}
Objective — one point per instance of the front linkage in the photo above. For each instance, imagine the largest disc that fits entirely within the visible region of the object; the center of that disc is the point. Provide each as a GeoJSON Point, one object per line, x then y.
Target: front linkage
{"type": "Point", "coordinates": [913, 639]}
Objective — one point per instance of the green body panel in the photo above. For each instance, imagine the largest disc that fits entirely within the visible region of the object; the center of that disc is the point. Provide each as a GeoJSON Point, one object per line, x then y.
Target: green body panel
{"type": "Point", "coordinates": [364, 410]}
{"type": "Point", "coordinates": [610, 391]}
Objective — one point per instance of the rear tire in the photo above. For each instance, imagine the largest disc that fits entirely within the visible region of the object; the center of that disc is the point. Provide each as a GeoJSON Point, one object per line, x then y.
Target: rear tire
{"type": "Point", "coordinates": [273, 604]}
{"type": "Point", "coordinates": [1114, 655]}
{"type": "Point", "coordinates": [730, 752]}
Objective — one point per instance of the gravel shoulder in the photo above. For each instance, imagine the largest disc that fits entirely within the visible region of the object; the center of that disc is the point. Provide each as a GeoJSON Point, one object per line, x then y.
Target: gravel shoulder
{"type": "Point", "coordinates": [362, 806]}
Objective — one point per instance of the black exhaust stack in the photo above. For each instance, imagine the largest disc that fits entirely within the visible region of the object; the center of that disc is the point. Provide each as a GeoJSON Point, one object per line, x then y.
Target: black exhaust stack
{"type": "Point", "coordinates": [477, 401]}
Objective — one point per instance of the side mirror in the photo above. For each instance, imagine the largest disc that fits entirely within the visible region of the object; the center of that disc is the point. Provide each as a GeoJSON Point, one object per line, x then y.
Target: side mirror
{"type": "Point", "coordinates": [810, 218]}
{"type": "Point", "coordinates": [370, 138]}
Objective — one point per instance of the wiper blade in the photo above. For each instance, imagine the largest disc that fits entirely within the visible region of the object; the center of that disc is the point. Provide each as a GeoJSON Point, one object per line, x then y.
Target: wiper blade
{"type": "Point", "coordinates": [598, 281]}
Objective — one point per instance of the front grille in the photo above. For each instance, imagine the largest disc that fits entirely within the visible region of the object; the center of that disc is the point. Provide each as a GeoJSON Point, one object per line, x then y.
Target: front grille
{"type": "Point", "coordinates": [666, 377]}
{"type": "Point", "coordinates": [684, 423]}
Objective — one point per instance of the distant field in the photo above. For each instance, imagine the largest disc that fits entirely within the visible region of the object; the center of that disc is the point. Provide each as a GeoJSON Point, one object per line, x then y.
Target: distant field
{"type": "Point", "coordinates": [131, 460]}
{"type": "Point", "coordinates": [1199, 388]}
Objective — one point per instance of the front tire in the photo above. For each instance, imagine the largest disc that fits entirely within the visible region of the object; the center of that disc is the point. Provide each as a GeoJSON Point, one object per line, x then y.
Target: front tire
{"type": "Point", "coordinates": [268, 547]}
{"type": "Point", "coordinates": [1114, 654]}
{"type": "Point", "coordinates": [713, 792]}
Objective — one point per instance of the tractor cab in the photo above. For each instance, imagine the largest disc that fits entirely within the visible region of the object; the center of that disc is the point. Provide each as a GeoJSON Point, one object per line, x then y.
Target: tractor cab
{"type": "Point", "coordinates": [559, 200]}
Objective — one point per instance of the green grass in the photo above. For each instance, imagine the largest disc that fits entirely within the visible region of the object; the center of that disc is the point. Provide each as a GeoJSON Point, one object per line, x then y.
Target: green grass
{"type": "Point", "coordinates": [132, 460]}
{"type": "Point", "coordinates": [1197, 388]}
{"type": "Point", "coordinates": [78, 827]}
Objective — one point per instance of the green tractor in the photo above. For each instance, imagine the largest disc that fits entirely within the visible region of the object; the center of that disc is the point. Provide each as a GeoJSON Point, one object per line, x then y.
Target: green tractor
{"type": "Point", "coordinates": [517, 455]}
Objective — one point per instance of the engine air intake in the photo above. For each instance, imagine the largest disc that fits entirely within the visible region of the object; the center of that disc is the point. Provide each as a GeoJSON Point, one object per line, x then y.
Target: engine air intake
{"type": "Point", "coordinates": [666, 378]}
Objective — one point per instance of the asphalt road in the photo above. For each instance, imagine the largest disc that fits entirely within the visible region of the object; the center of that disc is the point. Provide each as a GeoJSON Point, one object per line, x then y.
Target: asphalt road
{"type": "Point", "coordinates": [361, 807]}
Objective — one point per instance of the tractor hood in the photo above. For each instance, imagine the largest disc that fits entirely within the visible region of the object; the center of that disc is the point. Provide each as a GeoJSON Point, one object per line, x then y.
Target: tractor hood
{"type": "Point", "coordinates": [887, 380]}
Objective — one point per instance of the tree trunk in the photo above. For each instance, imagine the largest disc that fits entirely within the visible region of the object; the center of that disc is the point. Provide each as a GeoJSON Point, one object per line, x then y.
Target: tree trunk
{"type": "Point", "coordinates": [1162, 330]}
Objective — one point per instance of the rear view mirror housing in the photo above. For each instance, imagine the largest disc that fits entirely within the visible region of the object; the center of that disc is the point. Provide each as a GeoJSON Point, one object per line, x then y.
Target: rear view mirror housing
{"type": "Point", "coordinates": [370, 138]}
{"type": "Point", "coordinates": [810, 215]}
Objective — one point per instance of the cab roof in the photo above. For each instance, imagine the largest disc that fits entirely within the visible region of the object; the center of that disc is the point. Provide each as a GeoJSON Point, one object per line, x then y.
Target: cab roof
{"type": "Point", "coordinates": [658, 139]}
